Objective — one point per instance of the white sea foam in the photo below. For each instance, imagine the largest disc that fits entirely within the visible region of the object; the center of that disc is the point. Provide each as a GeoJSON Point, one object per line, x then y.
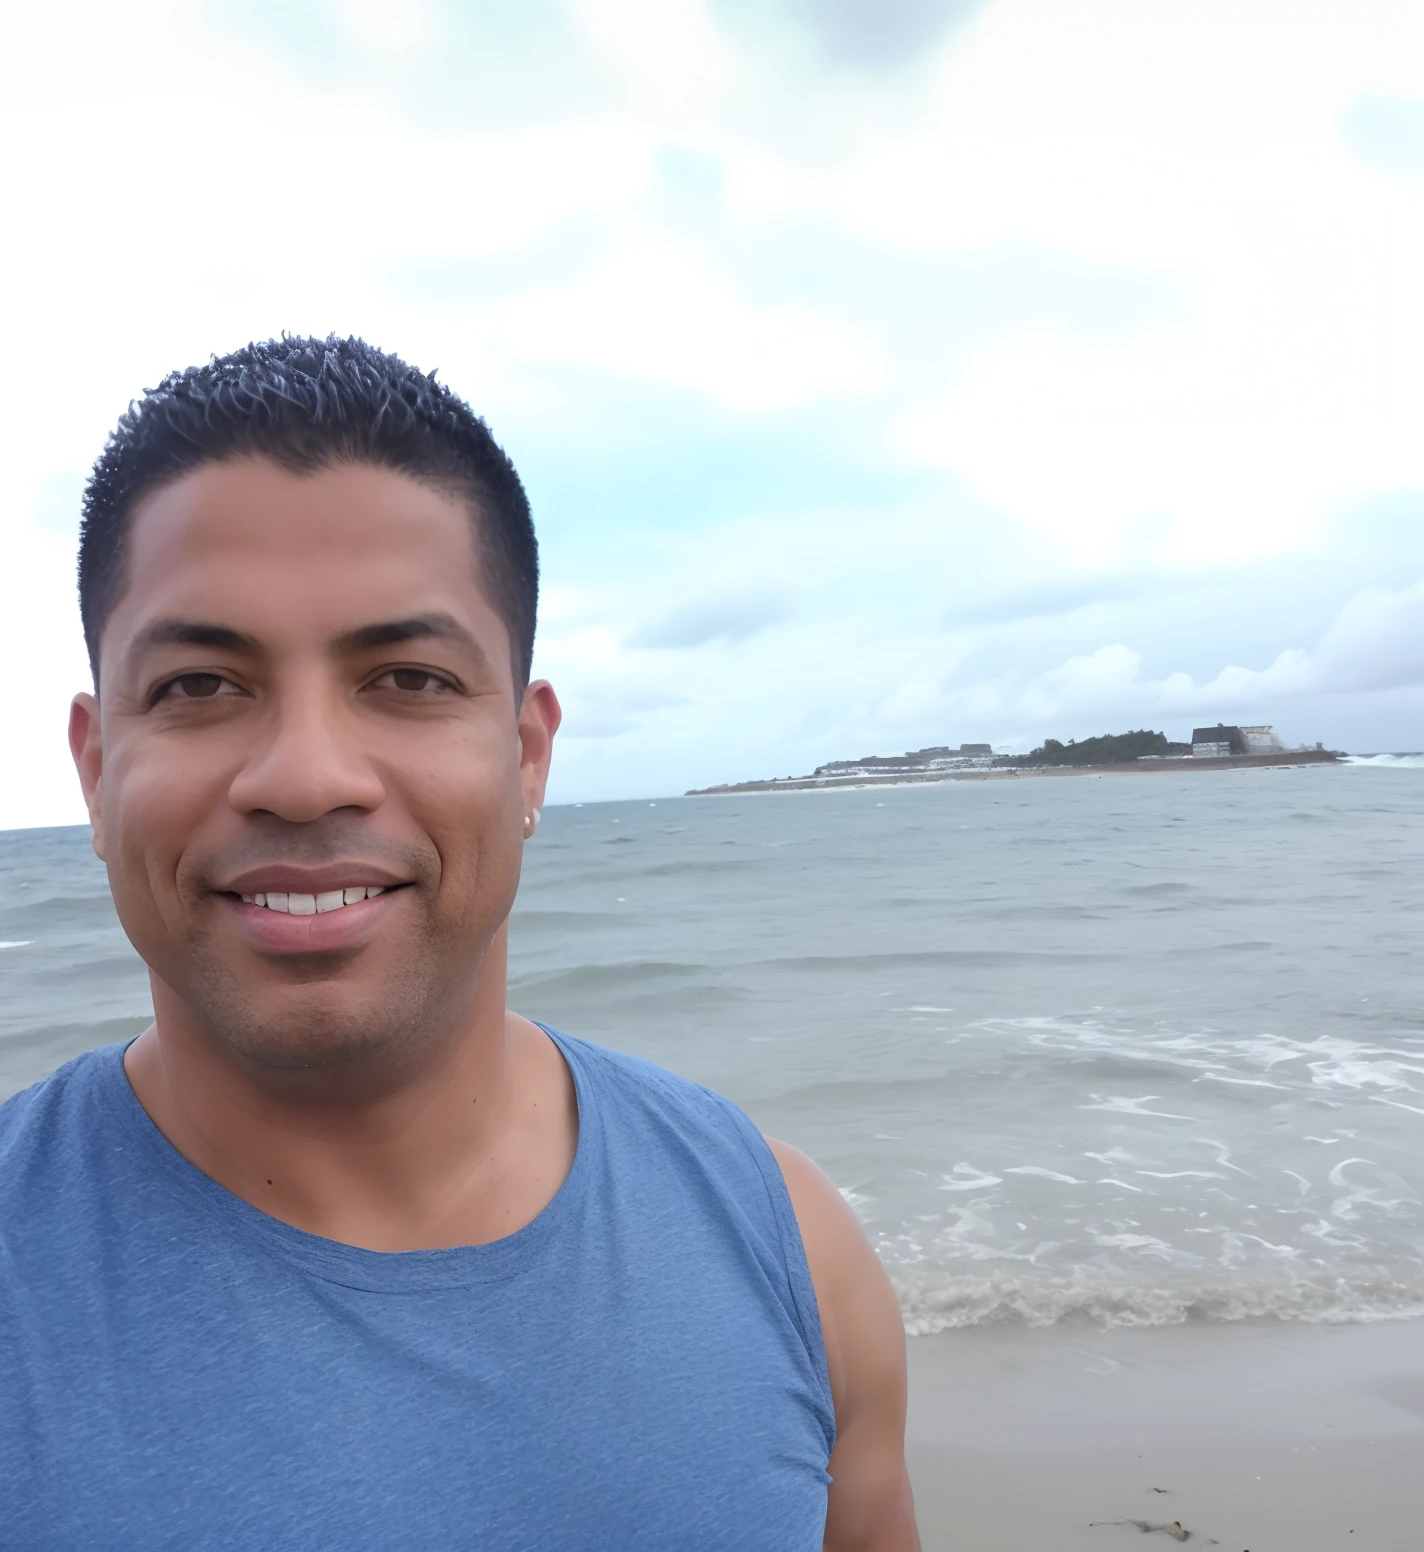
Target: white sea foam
{"type": "Point", "coordinates": [1183, 1174]}
{"type": "Point", "coordinates": [1121, 1104]}
{"type": "Point", "coordinates": [16, 943]}
{"type": "Point", "coordinates": [1388, 761]}
{"type": "Point", "coordinates": [976, 1180]}
{"type": "Point", "coordinates": [1032, 1296]}
{"type": "Point", "coordinates": [1397, 1104]}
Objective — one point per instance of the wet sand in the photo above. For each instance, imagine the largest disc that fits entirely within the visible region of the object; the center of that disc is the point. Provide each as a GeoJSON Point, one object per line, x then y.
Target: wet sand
{"type": "Point", "coordinates": [1253, 1438]}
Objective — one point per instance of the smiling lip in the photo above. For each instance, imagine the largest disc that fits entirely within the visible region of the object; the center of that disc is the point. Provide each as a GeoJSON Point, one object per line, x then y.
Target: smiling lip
{"type": "Point", "coordinates": [324, 928]}
{"type": "Point", "coordinates": [288, 878]}
{"type": "Point", "coordinates": [298, 904]}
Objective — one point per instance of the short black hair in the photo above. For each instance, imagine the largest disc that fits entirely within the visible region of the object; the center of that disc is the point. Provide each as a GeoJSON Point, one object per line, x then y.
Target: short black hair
{"type": "Point", "coordinates": [307, 404]}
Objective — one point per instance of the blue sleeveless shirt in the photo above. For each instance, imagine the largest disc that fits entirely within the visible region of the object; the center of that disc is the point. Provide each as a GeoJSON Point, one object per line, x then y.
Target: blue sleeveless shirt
{"type": "Point", "coordinates": [641, 1366]}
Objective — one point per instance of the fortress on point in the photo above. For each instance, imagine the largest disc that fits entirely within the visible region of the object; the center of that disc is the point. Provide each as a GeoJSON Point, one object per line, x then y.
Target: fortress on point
{"type": "Point", "coordinates": [1212, 748]}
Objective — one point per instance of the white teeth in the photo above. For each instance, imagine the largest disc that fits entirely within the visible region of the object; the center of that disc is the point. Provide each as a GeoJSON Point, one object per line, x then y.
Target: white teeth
{"type": "Point", "coordinates": [309, 905]}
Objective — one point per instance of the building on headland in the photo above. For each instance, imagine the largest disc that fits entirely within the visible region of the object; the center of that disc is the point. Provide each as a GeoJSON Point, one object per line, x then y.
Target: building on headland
{"type": "Point", "coordinates": [913, 762]}
{"type": "Point", "coordinates": [1262, 740]}
{"type": "Point", "coordinates": [1210, 743]}
{"type": "Point", "coordinates": [1235, 748]}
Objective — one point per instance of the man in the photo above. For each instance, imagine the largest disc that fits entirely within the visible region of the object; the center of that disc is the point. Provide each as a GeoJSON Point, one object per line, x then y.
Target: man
{"type": "Point", "coordinates": [340, 1253]}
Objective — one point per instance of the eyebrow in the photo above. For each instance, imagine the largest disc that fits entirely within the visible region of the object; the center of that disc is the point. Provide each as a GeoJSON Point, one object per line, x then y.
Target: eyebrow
{"type": "Point", "coordinates": [191, 633]}
{"type": "Point", "coordinates": [437, 626]}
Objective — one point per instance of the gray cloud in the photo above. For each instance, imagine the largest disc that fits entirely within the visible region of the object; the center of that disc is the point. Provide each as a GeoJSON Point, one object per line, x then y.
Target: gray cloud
{"type": "Point", "coordinates": [603, 714]}
{"type": "Point", "coordinates": [871, 34]}
{"type": "Point", "coordinates": [715, 619]}
{"type": "Point", "coordinates": [1048, 600]}
{"type": "Point", "coordinates": [594, 725]}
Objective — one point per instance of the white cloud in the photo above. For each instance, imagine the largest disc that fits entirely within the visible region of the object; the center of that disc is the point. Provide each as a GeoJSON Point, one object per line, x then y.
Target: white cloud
{"type": "Point", "coordinates": [1375, 642]}
{"type": "Point", "coordinates": [406, 28]}
{"type": "Point", "coordinates": [661, 315]}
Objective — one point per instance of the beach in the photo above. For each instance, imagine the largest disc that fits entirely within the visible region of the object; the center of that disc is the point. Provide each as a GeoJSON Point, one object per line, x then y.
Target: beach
{"type": "Point", "coordinates": [1252, 1437]}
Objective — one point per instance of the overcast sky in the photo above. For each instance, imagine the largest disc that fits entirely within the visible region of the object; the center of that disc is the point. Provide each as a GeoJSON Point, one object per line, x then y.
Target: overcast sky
{"type": "Point", "coordinates": [883, 372]}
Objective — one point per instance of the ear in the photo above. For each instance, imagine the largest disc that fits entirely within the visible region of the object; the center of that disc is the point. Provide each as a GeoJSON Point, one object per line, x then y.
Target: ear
{"type": "Point", "coordinates": [539, 718]}
{"type": "Point", "coordinates": [87, 748]}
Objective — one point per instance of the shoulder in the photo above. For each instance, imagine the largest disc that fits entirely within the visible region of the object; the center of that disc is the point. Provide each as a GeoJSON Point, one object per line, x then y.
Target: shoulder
{"type": "Point", "coordinates": [35, 1109]}
{"type": "Point", "coordinates": [700, 1133]}
{"type": "Point", "coordinates": [674, 1134]}
{"type": "Point", "coordinates": [870, 1502]}
{"type": "Point", "coordinates": [661, 1098]}
{"type": "Point", "coordinates": [43, 1126]}
{"type": "Point", "coordinates": [860, 1315]}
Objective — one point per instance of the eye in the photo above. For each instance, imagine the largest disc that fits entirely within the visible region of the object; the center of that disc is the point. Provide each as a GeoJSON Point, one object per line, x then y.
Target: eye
{"type": "Point", "coordinates": [413, 681]}
{"type": "Point", "coordinates": [195, 687]}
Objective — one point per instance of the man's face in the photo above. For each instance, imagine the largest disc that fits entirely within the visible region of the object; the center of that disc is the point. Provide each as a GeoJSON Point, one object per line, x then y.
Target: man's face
{"type": "Point", "coordinates": [306, 697]}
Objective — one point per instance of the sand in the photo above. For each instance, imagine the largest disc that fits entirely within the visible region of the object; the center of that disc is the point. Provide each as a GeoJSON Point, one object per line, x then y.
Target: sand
{"type": "Point", "coordinates": [1254, 1438]}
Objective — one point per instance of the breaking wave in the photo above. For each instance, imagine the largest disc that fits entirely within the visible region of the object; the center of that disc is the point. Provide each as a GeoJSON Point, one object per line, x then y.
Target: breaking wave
{"type": "Point", "coordinates": [932, 1302]}
{"type": "Point", "coordinates": [1387, 761]}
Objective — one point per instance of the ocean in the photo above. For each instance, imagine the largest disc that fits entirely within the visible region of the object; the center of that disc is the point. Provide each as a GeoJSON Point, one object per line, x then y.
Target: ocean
{"type": "Point", "coordinates": [1128, 1050]}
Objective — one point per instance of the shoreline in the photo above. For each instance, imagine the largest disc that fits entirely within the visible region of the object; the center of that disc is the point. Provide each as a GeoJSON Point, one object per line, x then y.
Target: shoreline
{"type": "Point", "coordinates": [1291, 760]}
{"type": "Point", "coordinates": [1250, 1436]}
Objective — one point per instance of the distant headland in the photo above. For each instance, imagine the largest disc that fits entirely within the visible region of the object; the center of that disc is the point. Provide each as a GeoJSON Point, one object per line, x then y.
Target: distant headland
{"type": "Point", "coordinates": [1216, 748]}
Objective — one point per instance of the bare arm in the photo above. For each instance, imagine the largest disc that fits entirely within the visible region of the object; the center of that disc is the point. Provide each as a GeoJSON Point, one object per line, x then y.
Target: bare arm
{"type": "Point", "coordinates": [870, 1509]}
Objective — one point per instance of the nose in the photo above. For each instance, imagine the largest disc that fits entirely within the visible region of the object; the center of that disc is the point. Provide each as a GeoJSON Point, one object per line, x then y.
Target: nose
{"type": "Point", "coordinates": [307, 762]}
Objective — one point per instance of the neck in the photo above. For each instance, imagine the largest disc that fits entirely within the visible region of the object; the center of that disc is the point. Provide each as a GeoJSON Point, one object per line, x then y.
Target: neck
{"type": "Point", "coordinates": [450, 1149]}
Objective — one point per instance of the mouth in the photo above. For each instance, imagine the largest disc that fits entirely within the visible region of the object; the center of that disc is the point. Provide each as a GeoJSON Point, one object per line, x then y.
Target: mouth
{"type": "Point", "coordinates": [321, 922]}
{"type": "Point", "coordinates": [289, 903]}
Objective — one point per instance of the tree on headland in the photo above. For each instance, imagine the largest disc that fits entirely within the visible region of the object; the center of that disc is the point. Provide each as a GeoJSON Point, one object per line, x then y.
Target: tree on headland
{"type": "Point", "coordinates": [1106, 749]}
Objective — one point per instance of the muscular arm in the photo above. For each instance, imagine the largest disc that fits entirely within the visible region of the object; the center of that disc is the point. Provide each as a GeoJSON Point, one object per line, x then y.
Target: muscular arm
{"type": "Point", "coordinates": [870, 1507]}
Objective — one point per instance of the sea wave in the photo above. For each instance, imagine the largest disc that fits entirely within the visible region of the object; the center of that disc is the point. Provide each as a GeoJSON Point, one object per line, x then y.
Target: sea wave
{"type": "Point", "coordinates": [1387, 761]}
{"type": "Point", "coordinates": [941, 1301]}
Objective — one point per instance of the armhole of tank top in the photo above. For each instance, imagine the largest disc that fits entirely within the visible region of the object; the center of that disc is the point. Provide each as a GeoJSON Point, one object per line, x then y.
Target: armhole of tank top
{"type": "Point", "coordinates": [793, 1260]}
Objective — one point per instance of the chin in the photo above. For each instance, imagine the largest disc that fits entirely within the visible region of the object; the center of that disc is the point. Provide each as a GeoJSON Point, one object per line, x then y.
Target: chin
{"type": "Point", "coordinates": [300, 1047]}
{"type": "Point", "coordinates": [334, 1031]}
